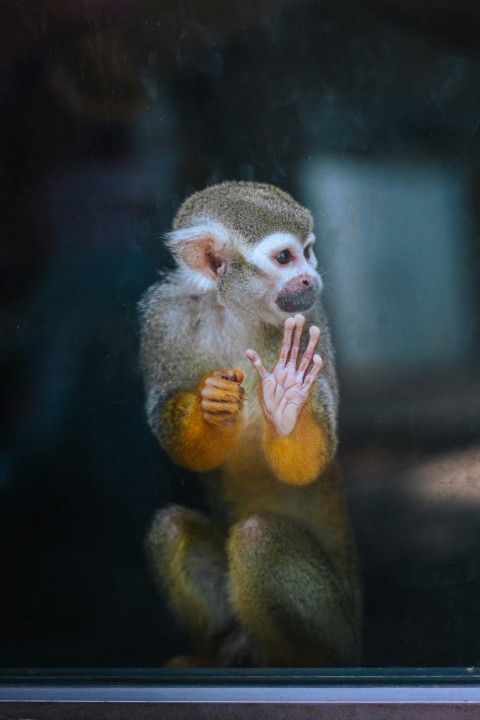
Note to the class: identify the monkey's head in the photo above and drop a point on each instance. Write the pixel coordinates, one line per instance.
(250, 243)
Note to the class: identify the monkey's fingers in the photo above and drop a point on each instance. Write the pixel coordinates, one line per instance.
(221, 395)
(224, 387)
(233, 375)
(286, 341)
(214, 407)
(313, 374)
(239, 375)
(295, 349)
(308, 354)
(254, 358)
(226, 418)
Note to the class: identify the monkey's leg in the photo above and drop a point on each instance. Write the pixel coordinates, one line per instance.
(187, 555)
(288, 596)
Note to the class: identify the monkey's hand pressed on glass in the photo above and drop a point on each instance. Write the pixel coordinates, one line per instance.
(285, 390)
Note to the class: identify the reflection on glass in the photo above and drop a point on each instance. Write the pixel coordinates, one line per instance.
(396, 255)
(112, 116)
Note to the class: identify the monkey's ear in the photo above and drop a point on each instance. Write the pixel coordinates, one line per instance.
(202, 248)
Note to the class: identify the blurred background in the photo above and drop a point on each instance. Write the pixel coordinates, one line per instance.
(111, 113)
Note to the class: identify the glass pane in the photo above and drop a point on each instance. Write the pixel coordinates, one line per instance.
(112, 114)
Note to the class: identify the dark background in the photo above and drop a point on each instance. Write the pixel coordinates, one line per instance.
(111, 114)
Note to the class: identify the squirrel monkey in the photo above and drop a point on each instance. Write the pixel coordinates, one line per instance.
(239, 391)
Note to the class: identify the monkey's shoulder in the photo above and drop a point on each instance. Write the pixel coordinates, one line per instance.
(171, 306)
(186, 321)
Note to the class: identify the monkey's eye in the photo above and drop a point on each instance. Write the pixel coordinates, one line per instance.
(283, 257)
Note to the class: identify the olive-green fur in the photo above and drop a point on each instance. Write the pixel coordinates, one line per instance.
(252, 209)
(271, 578)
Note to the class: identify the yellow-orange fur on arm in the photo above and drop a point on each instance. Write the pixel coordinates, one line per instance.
(192, 442)
(298, 458)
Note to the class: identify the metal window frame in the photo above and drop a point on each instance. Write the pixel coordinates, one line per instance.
(386, 694)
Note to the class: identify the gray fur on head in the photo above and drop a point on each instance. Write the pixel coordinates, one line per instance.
(257, 208)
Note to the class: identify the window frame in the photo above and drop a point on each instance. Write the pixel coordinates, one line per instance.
(384, 693)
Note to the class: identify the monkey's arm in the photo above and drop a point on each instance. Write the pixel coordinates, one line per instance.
(199, 429)
(298, 441)
(299, 458)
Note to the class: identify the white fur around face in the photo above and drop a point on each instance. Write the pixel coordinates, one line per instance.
(313, 258)
(263, 255)
(200, 227)
(196, 281)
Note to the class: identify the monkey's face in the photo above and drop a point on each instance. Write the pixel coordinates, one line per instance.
(288, 267)
(264, 280)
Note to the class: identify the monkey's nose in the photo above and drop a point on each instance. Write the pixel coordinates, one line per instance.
(305, 280)
(298, 294)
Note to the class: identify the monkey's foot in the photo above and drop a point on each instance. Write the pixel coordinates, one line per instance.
(238, 650)
(186, 661)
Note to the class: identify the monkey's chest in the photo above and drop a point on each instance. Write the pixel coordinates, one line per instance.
(245, 482)
(252, 416)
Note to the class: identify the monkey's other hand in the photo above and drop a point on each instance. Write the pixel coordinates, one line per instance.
(285, 390)
(222, 397)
